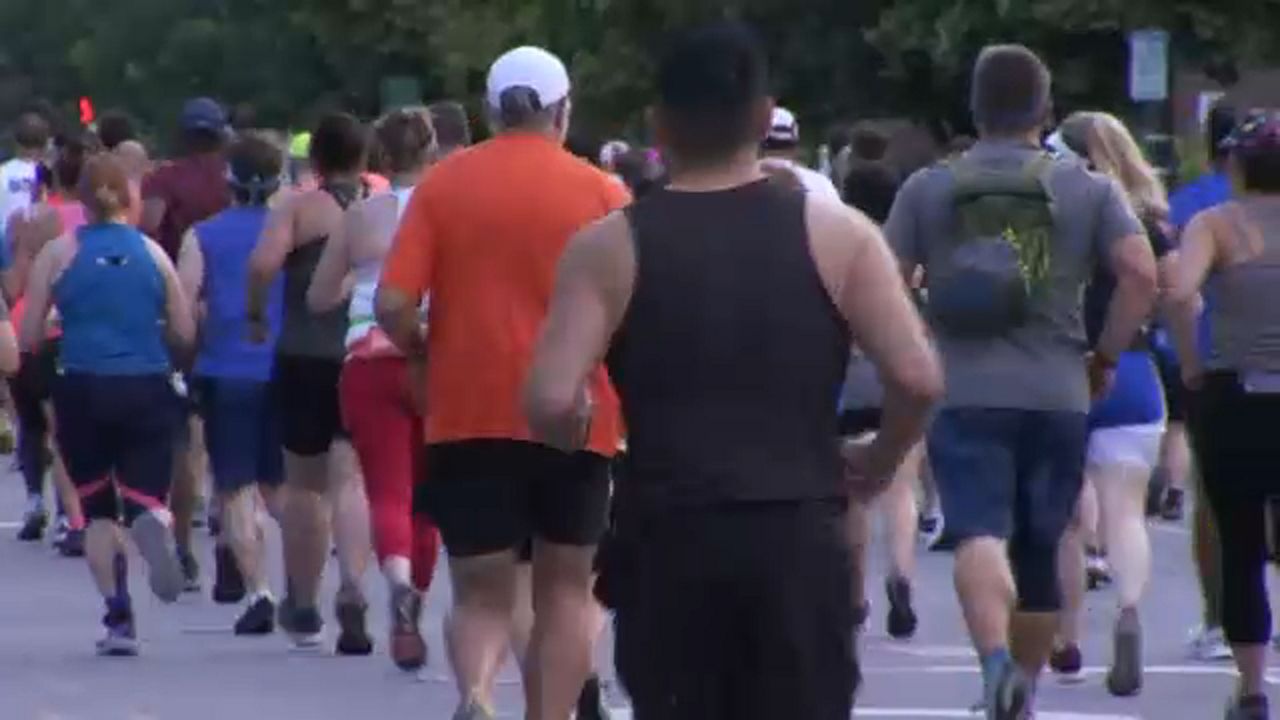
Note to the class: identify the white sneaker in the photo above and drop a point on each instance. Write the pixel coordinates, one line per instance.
(1209, 645)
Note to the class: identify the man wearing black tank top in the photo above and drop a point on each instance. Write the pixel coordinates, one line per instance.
(725, 306)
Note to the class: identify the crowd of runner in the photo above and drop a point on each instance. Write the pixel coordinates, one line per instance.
(621, 387)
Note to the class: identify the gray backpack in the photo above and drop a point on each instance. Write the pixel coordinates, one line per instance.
(986, 279)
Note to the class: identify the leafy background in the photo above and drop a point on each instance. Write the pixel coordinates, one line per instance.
(833, 59)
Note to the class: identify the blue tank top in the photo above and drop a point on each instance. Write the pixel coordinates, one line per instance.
(1137, 398)
(226, 241)
(112, 302)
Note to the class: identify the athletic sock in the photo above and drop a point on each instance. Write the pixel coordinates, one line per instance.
(993, 663)
(398, 570)
(121, 568)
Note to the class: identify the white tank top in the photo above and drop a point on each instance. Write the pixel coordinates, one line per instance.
(363, 335)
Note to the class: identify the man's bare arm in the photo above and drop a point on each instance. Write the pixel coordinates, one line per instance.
(1196, 258)
(39, 297)
(330, 283)
(866, 284)
(269, 255)
(593, 288)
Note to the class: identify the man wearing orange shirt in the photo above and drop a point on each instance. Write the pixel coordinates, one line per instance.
(482, 237)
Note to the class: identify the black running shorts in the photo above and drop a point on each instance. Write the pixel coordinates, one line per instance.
(489, 496)
(305, 392)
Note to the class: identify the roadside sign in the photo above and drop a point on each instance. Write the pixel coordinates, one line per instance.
(1149, 65)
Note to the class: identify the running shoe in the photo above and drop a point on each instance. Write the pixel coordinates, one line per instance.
(153, 534)
(591, 701)
(1067, 664)
(473, 710)
(228, 583)
(60, 529)
(33, 526)
(1125, 677)
(258, 619)
(304, 625)
(121, 638)
(1209, 645)
(190, 571)
(1097, 569)
(1010, 697)
(930, 526)
(1249, 707)
(902, 616)
(860, 615)
(353, 634)
(408, 648)
(72, 545)
(1172, 507)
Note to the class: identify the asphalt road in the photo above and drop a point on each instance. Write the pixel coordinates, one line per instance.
(193, 668)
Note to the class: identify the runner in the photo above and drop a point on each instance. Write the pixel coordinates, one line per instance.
(871, 187)
(1126, 425)
(731, 560)
(324, 494)
(1212, 189)
(231, 377)
(782, 145)
(56, 212)
(482, 236)
(453, 128)
(1237, 247)
(1004, 287)
(384, 421)
(175, 196)
(119, 300)
(18, 176)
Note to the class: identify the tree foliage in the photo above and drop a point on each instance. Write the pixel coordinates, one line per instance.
(833, 59)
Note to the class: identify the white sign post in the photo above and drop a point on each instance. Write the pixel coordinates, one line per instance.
(1149, 65)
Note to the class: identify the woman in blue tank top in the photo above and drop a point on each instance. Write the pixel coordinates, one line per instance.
(231, 376)
(122, 311)
(1126, 424)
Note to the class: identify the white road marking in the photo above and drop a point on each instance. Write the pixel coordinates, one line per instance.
(10, 525)
(1169, 529)
(871, 712)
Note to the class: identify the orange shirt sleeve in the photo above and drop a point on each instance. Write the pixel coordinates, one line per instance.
(408, 267)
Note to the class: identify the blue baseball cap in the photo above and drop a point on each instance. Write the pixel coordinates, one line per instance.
(203, 113)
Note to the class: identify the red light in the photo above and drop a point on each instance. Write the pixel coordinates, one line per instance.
(86, 111)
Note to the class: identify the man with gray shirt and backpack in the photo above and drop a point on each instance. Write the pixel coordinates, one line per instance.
(1008, 236)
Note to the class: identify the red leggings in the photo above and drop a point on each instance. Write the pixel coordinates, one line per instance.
(387, 435)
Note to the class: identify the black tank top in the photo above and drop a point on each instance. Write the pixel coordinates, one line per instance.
(730, 358)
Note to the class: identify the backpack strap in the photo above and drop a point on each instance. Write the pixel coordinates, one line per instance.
(974, 180)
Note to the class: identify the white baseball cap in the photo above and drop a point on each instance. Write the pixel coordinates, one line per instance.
(783, 128)
(532, 68)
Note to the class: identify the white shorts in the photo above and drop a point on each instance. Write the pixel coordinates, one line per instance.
(1137, 445)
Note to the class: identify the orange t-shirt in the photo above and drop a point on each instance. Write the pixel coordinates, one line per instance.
(482, 236)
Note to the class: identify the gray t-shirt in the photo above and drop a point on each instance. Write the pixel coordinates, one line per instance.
(1040, 365)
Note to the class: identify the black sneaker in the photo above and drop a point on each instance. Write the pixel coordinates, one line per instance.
(591, 701)
(353, 635)
(190, 571)
(228, 583)
(33, 525)
(121, 639)
(258, 619)
(1171, 509)
(902, 617)
(1249, 707)
(304, 625)
(72, 545)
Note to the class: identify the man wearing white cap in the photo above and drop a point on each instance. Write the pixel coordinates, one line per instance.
(483, 235)
(781, 148)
